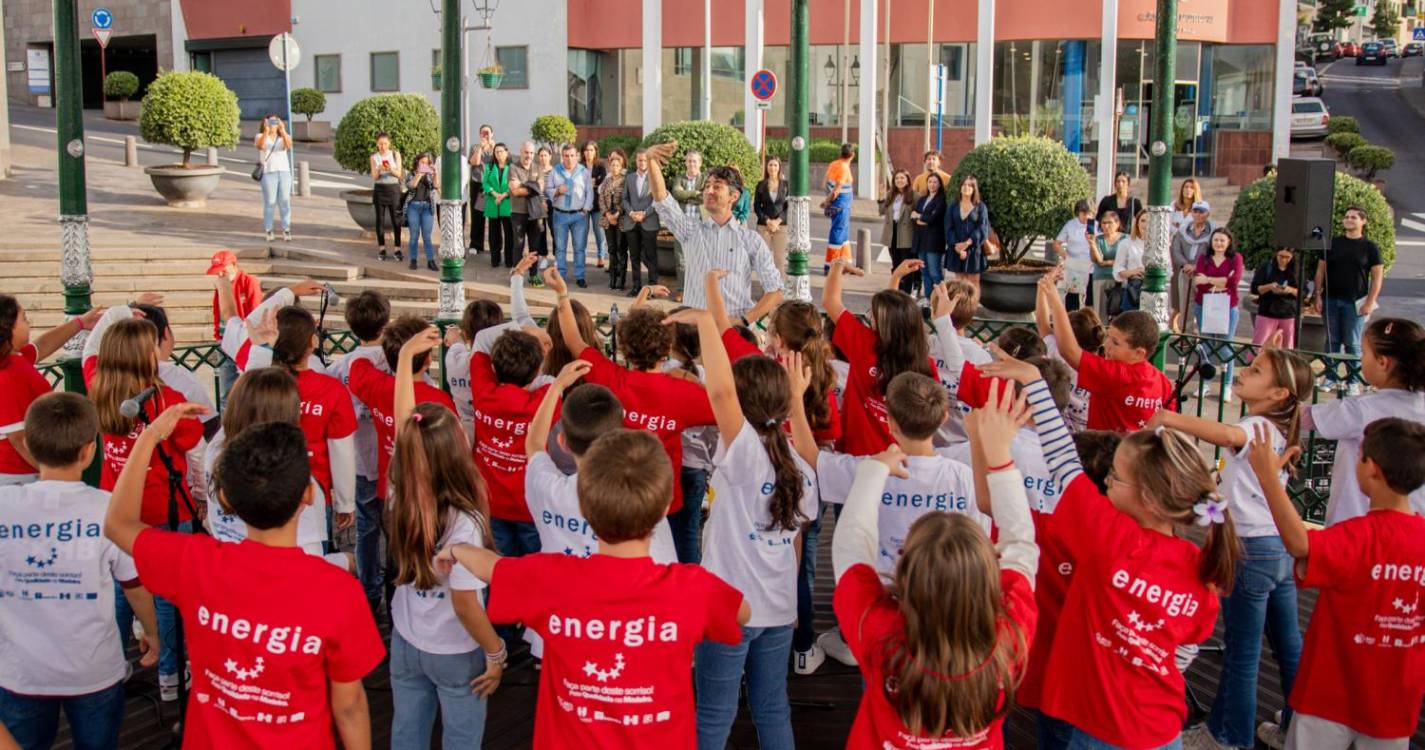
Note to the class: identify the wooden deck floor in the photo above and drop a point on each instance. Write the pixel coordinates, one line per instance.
(824, 704)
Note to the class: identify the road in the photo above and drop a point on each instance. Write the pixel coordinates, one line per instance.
(1376, 97)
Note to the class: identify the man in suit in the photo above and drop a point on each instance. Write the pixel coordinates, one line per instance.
(639, 224)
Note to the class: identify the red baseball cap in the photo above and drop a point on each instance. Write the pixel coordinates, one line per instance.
(221, 260)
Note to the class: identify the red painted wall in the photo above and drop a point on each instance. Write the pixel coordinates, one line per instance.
(211, 19)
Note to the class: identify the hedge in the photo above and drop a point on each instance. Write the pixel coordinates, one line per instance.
(1030, 185)
(1371, 159)
(554, 130)
(410, 119)
(1253, 218)
(1342, 124)
(121, 84)
(622, 141)
(308, 102)
(821, 151)
(1345, 142)
(189, 110)
(720, 145)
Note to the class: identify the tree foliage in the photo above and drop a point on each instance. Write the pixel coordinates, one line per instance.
(189, 110)
(1385, 22)
(554, 130)
(409, 119)
(1253, 219)
(121, 84)
(1030, 185)
(720, 145)
(308, 102)
(1334, 14)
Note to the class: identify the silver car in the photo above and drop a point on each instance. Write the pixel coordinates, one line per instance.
(1308, 117)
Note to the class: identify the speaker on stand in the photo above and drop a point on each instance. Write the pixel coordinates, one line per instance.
(1306, 194)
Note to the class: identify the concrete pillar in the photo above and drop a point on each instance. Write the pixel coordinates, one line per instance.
(131, 152)
(984, 70)
(652, 65)
(866, 97)
(1281, 90)
(1107, 99)
(705, 95)
(756, 34)
(212, 156)
(304, 179)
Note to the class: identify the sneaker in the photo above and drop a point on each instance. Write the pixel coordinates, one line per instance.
(1271, 734)
(430, 266)
(286, 236)
(835, 647)
(269, 236)
(807, 662)
(1199, 738)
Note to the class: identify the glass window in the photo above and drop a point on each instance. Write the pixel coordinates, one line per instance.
(683, 89)
(910, 85)
(203, 62)
(328, 73)
(435, 69)
(1047, 88)
(682, 61)
(1242, 86)
(594, 87)
(385, 71)
(515, 61)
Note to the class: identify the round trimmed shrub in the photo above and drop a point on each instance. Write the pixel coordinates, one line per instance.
(309, 102)
(1030, 185)
(1371, 159)
(1253, 219)
(622, 141)
(720, 145)
(189, 110)
(1342, 124)
(554, 130)
(1345, 142)
(410, 120)
(821, 150)
(121, 84)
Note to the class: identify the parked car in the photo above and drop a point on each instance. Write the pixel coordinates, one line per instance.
(1413, 49)
(1389, 47)
(1305, 83)
(1372, 53)
(1309, 117)
(1350, 49)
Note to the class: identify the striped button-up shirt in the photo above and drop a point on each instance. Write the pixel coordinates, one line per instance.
(708, 245)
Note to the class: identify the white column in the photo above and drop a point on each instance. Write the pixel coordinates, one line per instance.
(984, 69)
(866, 98)
(652, 65)
(1107, 99)
(1281, 89)
(706, 107)
(755, 29)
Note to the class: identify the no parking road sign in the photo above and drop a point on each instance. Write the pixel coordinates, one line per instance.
(764, 86)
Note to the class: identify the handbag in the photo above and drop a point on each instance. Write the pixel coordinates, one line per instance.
(1216, 314)
(262, 163)
(1113, 300)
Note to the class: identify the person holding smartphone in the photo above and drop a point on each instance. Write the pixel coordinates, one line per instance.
(386, 174)
(422, 191)
(1072, 247)
(1278, 298)
(273, 146)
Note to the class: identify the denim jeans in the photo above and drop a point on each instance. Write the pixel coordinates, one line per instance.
(227, 375)
(1343, 331)
(1052, 733)
(164, 612)
(687, 523)
(420, 217)
(514, 538)
(1082, 740)
(1263, 598)
(599, 240)
(805, 634)
(93, 719)
(570, 229)
(368, 540)
(1225, 361)
(718, 668)
(933, 272)
(421, 682)
(277, 193)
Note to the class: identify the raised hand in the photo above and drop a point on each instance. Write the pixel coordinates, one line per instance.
(906, 268)
(995, 425)
(88, 320)
(421, 343)
(150, 298)
(1009, 368)
(264, 331)
(689, 315)
(305, 287)
(527, 262)
(554, 281)
(453, 336)
(894, 458)
(1264, 459)
(798, 373)
(661, 153)
(571, 373)
(168, 420)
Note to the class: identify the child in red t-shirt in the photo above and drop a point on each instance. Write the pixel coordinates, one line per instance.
(652, 399)
(1362, 674)
(919, 694)
(278, 640)
(1126, 388)
(896, 342)
(618, 629)
(1138, 591)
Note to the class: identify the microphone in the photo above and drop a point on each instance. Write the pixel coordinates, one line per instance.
(1205, 369)
(613, 314)
(329, 295)
(131, 407)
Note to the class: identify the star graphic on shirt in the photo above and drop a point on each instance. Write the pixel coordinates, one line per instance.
(1404, 608)
(1141, 625)
(569, 551)
(604, 675)
(43, 562)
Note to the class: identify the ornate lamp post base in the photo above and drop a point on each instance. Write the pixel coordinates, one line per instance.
(452, 262)
(799, 248)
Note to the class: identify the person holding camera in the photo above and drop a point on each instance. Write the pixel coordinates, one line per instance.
(422, 191)
(273, 147)
(386, 174)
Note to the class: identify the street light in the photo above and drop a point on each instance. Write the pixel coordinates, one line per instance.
(485, 9)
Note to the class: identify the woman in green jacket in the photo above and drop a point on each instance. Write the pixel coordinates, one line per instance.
(497, 208)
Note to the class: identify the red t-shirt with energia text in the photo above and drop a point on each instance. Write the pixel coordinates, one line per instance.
(1363, 664)
(652, 401)
(22, 384)
(266, 629)
(618, 644)
(738, 347)
(1124, 395)
(865, 429)
(327, 414)
(1135, 597)
(377, 390)
(870, 620)
(502, 415)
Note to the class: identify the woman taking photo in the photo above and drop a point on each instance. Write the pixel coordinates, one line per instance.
(610, 206)
(770, 205)
(1278, 298)
(386, 174)
(837, 206)
(967, 228)
(898, 229)
(929, 238)
(496, 185)
(422, 191)
(1218, 271)
(1188, 193)
(1125, 205)
(598, 171)
(273, 147)
(1104, 252)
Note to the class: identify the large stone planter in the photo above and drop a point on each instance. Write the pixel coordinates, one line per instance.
(316, 131)
(1011, 292)
(121, 110)
(363, 211)
(185, 187)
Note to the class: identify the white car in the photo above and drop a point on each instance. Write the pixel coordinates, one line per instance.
(1309, 117)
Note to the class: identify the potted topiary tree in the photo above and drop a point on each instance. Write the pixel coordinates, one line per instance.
(1253, 223)
(189, 110)
(720, 145)
(121, 84)
(310, 102)
(1030, 185)
(411, 122)
(553, 130)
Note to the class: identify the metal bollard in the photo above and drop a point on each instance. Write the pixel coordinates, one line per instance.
(304, 179)
(212, 156)
(131, 151)
(863, 249)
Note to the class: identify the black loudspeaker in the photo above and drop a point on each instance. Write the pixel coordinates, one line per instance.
(1306, 190)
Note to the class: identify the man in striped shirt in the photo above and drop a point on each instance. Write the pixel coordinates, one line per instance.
(718, 241)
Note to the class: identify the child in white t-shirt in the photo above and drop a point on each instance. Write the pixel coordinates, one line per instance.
(61, 648)
(1089, 332)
